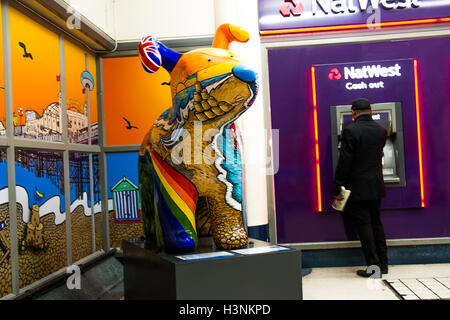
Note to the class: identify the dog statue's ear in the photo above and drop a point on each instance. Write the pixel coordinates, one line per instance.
(227, 33)
(154, 54)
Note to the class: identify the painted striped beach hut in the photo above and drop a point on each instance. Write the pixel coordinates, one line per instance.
(126, 201)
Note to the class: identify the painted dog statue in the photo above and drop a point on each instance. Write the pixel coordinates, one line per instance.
(201, 194)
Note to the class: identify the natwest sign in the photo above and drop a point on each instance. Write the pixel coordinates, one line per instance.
(378, 75)
(372, 71)
(351, 6)
(296, 16)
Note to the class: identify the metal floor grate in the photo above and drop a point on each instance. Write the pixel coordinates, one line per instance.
(421, 288)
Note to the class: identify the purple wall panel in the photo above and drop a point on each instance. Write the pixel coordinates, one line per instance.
(395, 89)
(291, 106)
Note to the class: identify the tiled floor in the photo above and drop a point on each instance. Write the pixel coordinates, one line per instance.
(422, 289)
(344, 284)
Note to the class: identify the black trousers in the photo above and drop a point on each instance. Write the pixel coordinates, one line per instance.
(365, 216)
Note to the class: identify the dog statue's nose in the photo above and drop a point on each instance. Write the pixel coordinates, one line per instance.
(244, 73)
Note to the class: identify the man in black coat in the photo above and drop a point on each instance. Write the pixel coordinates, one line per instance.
(359, 169)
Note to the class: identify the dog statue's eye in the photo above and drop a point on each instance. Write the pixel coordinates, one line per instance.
(209, 60)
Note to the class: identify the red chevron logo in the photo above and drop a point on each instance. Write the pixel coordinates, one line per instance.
(334, 74)
(295, 11)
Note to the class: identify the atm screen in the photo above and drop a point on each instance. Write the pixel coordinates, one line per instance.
(382, 117)
(346, 120)
(389, 116)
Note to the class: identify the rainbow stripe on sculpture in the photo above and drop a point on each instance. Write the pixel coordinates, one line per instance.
(175, 199)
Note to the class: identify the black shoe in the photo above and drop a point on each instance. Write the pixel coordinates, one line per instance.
(384, 269)
(365, 274)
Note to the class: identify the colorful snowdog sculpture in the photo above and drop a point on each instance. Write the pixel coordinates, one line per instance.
(201, 194)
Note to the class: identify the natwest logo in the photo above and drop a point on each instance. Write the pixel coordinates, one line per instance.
(296, 10)
(372, 71)
(334, 74)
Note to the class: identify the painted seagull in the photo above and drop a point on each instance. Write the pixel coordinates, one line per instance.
(26, 54)
(129, 126)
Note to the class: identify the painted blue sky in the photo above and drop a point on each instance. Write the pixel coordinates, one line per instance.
(43, 185)
(121, 165)
(3, 175)
(31, 183)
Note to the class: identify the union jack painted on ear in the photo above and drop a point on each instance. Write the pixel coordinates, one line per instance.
(149, 54)
(154, 54)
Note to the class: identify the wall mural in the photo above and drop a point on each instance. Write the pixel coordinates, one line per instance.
(5, 266)
(41, 213)
(123, 197)
(200, 194)
(125, 125)
(41, 230)
(37, 102)
(85, 229)
(35, 79)
(81, 95)
(5, 246)
(2, 87)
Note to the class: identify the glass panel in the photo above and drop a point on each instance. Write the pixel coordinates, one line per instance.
(80, 205)
(41, 215)
(92, 68)
(123, 197)
(133, 94)
(81, 165)
(98, 202)
(35, 79)
(5, 248)
(81, 88)
(2, 86)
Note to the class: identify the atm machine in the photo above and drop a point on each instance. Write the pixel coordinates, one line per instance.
(388, 115)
